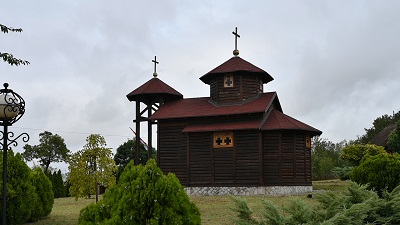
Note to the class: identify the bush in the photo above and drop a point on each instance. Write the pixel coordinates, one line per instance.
(143, 195)
(343, 172)
(355, 153)
(20, 191)
(357, 206)
(44, 195)
(381, 172)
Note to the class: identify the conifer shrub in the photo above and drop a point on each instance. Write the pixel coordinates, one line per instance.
(143, 195)
(380, 172)
(43, 194)
(356, 206)
(20, 191)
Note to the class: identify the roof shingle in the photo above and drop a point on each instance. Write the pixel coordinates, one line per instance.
(153, 88)
(202, 107)
(279, 121)
(236, 64)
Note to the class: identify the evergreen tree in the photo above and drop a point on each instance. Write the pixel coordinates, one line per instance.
(20, 191)
(143, 196)
(58, 184)
(380, 172)
(394, 139)
(126, 152)
(43, 193)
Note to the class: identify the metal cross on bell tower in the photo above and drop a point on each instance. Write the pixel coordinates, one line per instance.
(155, 66)
(236, 51)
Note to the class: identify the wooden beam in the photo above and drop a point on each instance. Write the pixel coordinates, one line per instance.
(149, 133)
(137, 133)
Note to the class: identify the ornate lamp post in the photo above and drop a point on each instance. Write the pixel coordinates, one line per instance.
(12, 107)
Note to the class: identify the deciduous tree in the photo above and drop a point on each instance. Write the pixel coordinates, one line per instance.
(354, 153)
(51, 149)
(7, 57)
(91, 166)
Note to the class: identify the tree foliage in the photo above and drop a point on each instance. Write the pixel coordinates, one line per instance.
(59, 188)
(380, 172)
(355, 153)
(143, 196)
(325, 157)
(44, 195)
(126, 152)
(20, 191)
(356, 206)
(90, 167)
(394, 139)
(7, 57)
(378, 125)
(51, 149)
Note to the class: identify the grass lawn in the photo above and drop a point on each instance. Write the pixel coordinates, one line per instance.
(214, 209)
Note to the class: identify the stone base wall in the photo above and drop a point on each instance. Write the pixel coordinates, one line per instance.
(267, 190)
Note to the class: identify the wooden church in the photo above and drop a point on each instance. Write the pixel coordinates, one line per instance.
(236, 141)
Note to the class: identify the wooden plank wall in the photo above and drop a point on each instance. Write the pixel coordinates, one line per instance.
(244, 87)
(172, 150)
(271, 158)
(250, 86)
(247, 158)
(286, 159)
(200, 159)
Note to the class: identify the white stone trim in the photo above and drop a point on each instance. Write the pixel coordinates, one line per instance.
(266, 190)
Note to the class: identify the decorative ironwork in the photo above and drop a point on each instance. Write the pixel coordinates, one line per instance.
(9, 136)
(12, 106)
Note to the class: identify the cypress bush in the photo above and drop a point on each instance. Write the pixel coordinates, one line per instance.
(143, 195)
(44, 195)
(20, 191)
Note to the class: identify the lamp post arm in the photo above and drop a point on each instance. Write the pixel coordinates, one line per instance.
(25, 138)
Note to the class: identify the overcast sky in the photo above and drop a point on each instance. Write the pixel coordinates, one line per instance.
(336, 64)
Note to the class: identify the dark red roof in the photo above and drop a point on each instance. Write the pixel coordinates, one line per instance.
(235, 125)
(279, 121)
(201, 107)
(153, 89)
(276, 121)
(236, 64)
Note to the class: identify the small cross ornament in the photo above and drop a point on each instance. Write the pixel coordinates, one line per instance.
(155, 66)
(236, 51)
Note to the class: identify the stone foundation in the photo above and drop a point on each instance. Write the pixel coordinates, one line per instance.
(267, 190)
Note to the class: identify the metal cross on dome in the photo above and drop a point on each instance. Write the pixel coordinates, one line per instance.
(236, 51)
(155, 66)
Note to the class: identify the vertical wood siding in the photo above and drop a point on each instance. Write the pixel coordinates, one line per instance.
(247, 157)
(172, 150)
(286, 159)
(200, 159)
(244, 86)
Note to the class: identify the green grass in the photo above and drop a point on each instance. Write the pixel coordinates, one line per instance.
(214, 209)
(333, 185)
(65, 211)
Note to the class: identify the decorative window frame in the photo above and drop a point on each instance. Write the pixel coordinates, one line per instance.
(228, 80)
(223, 139)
